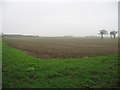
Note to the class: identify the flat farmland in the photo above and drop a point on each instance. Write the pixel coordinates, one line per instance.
(20, 70)
(60, 48)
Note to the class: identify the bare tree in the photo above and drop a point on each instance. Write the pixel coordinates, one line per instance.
(113, 33)
(103, 32)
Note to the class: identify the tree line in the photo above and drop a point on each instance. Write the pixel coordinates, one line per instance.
(104, 32)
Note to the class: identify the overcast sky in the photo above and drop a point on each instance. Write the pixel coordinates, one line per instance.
(59, 18)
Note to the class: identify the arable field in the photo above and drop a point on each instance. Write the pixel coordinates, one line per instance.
(60, 48)
(21, 70)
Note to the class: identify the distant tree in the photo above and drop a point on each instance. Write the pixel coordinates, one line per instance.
(103, 32)
(113, 33)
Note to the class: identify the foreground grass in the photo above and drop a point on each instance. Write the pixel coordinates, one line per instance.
(23, 71)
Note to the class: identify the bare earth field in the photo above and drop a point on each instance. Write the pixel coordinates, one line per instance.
(52, 48)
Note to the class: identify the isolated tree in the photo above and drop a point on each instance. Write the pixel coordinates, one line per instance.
(103, 32)
(113, 33)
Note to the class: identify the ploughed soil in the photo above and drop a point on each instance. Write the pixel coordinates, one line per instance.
(57, 48)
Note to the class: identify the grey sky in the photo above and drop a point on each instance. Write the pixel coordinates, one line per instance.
(51, 18)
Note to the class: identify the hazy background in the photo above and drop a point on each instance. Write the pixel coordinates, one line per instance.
(59, 18)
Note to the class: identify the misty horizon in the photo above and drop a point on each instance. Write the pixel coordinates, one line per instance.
(59, 18)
